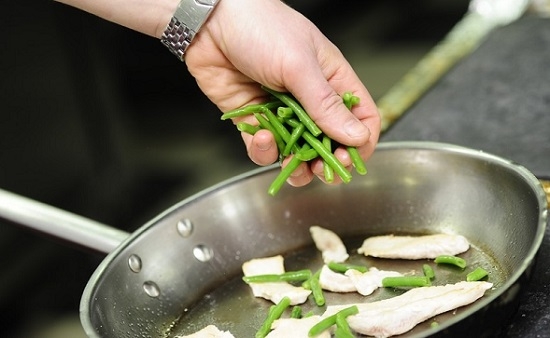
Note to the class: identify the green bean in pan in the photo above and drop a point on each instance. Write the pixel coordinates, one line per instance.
(298, 110)
(290, 276)
(405, 281)
(296, 312)
(343, 267)
(274, 314)
(428, 271)
(331, 320)
(338, 167)
(250, 109)
(451, 260)
(477, 274)
(316, 289)
(342, 328)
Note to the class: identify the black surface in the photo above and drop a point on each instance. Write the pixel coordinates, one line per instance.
(498, 100)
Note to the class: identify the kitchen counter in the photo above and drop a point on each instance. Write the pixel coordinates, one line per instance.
(498, 100)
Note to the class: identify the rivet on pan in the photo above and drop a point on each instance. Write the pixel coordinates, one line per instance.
(185, 227)
(134, 262)
(151, 289)
(203, 253)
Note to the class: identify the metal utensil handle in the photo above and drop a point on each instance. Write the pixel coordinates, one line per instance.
(59, 223)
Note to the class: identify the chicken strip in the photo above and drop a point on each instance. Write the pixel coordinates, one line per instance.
(400, 314)
(366, 283)
(335, 282)
(414, 247)
(210, 331)
(273, 291)
(331, 246)
(295, 328)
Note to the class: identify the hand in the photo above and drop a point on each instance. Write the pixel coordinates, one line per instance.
(246, 43)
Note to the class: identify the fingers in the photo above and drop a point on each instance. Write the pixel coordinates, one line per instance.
(319, 90)
(261, 147)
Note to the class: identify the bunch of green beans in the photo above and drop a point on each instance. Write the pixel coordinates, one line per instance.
(297, 134)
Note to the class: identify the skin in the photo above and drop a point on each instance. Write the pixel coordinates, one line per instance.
(248, 43)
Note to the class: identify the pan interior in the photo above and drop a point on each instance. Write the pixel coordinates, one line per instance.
(190, 256)
(232, 307)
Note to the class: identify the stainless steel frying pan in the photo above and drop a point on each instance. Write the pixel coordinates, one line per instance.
(181, 271)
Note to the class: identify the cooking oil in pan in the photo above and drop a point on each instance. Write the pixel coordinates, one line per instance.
(233, 308)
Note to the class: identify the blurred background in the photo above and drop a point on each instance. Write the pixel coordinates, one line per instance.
(104, 122)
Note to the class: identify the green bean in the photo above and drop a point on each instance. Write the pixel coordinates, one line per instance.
(290, 276)
(264, 123)
(331, 320)
(343, 267)
(346, 97)
(293, 123)
(298, 110)
(307, 155)
(357, 161)
(277, 125)
(428, 271)
(327, 169)
(478, 274)
(296, 312)
(316, 289)
(285, 112)
(294, 137)
(342, 328)
(405, 281)
(451, 260)
(273, 315)
(248, 110)
(285, 173)
(328, 156)
(308, 314)
(247, 128)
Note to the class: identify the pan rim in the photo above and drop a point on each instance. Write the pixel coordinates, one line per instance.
(519, 169)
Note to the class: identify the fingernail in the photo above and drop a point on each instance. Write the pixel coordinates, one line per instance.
(263, 146)
(354, 128)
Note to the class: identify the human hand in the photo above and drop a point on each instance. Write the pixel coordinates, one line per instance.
(246, 43)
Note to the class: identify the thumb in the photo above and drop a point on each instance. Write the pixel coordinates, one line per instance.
(325, 106)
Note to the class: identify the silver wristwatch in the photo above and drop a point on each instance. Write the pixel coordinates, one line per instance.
(186, 22)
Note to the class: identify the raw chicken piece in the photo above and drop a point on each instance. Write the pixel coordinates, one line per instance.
(331, 246)
(334, 281)
(273, 291)
(210, 331)
(400, 314)
(414, 247)
(366, 283)
(295, 328)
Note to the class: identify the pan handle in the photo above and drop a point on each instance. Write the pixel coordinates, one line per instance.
(59, 223)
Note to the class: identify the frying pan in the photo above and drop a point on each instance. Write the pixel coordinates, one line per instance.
(181, 271)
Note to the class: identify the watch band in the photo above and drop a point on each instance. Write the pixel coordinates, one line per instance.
(188, 18)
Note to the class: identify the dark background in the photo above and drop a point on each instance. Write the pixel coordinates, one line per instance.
(104, 122)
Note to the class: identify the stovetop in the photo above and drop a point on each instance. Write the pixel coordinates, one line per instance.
(498, 100)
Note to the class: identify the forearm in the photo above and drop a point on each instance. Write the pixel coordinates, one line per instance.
(146, 16)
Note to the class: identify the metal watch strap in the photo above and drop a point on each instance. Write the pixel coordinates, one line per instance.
(177, 38)
(188, 18)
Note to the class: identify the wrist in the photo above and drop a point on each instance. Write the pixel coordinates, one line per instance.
(186, 21)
